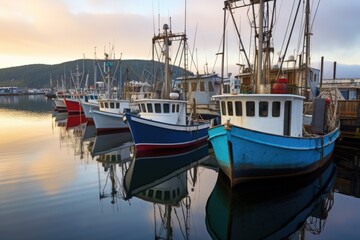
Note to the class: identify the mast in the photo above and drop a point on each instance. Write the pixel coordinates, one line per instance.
(167, 86)
(260, 47)
(165, 39)
(307, 47)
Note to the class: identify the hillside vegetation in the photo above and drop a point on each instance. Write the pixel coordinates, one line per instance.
(38, 75)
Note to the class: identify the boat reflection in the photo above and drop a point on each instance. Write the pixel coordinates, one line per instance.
(271, 210)
(163, 180)
(106, 143)
(75, 121)
(89, 134)
(71, 131)
(60, 118)
(113, 167)
(112, 152)
(347, 158)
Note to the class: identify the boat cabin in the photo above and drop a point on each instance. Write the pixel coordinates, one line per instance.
(113, 105)
(92, 98)
(280, 114)
(198, 91)
(163, 110)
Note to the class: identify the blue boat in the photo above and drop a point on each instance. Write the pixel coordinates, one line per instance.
(264, 132)
(151, 135)
(163, 122)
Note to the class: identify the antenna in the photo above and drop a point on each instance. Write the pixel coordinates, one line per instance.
(152, 5)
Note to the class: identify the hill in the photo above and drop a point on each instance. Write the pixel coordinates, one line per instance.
(38, 75)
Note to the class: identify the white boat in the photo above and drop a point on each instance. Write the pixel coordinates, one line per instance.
(87, 107)
(109, 117)
(58, 101)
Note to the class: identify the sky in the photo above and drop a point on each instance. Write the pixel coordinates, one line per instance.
(56, 31)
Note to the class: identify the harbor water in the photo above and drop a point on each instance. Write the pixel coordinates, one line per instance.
(61, 180)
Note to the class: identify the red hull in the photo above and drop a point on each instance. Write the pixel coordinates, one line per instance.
(73, 106)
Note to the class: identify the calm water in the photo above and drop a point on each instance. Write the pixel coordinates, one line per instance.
(58, 180)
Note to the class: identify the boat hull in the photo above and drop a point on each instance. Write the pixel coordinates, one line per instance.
(244, 154)
(73, 106)
(86, 107)
(153, 135)
(59, 104)
(108, 122)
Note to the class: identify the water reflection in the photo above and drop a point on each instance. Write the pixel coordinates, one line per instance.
(76, 122)
(60, 118)
(271, 210)
(163, 180)
(71, 131)
(89, 133)
(29, 103)
(112, 153)
(111, 172)
(347, 158)
(111, 142)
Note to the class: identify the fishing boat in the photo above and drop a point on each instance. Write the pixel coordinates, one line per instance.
(58, 102)
(163, 123)
(263, 134)
(108, 116)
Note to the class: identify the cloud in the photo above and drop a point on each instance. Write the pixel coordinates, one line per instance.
(43, 31)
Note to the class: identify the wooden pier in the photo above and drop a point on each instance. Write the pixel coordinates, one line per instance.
(349, 113)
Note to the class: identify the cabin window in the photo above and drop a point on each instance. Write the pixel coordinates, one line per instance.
(106, 104)
(287, 118)
(223, 108)
(211, 87)
(250, 109)
(238, 108)
(112, 105)
(230, 108)
(177, 107)
(151, 193)
(276, 109)
(143, 108)
(226, 89)
(202, 87)
(173, 194)
(178, 191)
(193, 86)
(158, 194)
(173, 108)
(149, 107)
(157, 107)
(117, 105)
(166, 108)
(263, 109)
(167, 195)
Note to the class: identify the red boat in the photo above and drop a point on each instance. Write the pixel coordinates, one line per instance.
(73, 105)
